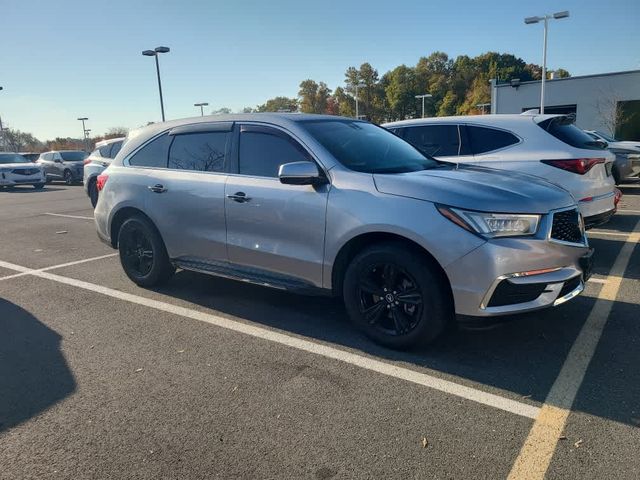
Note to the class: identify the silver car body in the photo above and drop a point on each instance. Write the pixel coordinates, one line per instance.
(55, 164)
(627, 153)
(13, 174)
(100, 159)
(299, 236)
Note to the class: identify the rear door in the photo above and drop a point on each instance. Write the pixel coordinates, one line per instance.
(486, 145)
(184, 196)
(271, 226)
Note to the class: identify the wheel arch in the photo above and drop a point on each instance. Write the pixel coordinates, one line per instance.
(120, 217)
(356, 244)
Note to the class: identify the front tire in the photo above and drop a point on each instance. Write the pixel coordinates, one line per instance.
(93, 193)
(39, 186)
(142, 253)
(396, 297)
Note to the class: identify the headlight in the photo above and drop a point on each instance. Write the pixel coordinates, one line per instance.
(492, 225)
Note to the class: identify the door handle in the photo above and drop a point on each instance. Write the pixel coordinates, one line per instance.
(158, 188)
(239, 197)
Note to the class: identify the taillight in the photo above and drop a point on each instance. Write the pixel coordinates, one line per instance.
(86, 161)
(576, 165)
(617, 197)
(101, 181)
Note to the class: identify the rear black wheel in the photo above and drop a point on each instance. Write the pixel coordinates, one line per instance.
(396, 297)
(39, 186)
(142, 253)
(615, 173)
(93, 192)
(68, 177)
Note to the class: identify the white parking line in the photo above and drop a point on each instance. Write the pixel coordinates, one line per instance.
(391, 370)
(598, 280)
(535, 456)
(53, 267)
(68, 216)
(602, 232)
(623, 210)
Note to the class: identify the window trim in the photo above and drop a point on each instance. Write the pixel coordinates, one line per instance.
(267, 128)
(490, 127)
(227, 150)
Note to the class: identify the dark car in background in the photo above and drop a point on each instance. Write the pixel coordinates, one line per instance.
(64, 165)
(31, 156)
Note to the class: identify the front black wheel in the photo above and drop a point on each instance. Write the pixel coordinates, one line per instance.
(142, 253)
(39, 186)
(93, 193)
(396, 296)
(68, 177)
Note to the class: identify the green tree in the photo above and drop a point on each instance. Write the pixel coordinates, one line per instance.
(401, 89)
(313, 97)
(561, 73)
(278, 104)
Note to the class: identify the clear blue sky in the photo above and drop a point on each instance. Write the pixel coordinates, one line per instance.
(68, 58)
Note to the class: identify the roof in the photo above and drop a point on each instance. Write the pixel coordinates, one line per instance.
(608, 74)
(492, 119)
(102, 143)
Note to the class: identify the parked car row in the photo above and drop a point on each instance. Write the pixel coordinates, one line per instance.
(627, 154)
(338, 206)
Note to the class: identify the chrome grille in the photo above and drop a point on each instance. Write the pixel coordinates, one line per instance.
(25, 171)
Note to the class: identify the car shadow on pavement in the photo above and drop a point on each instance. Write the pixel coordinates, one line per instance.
(34, 374)
(29, 189)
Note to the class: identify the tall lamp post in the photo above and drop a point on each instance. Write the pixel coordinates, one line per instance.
(423, 96)
(84, 132)
(357, 110)
(545, 19)
(203, 104)
(1, 131)
(154, 53)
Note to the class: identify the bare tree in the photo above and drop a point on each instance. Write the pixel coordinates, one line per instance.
(17, 141)
(610, 110)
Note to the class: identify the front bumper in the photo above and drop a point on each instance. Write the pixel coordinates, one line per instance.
(491, 279)
(8, 179)
(594, 206)
(599, 219)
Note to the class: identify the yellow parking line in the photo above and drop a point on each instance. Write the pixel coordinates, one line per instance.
(535, 456)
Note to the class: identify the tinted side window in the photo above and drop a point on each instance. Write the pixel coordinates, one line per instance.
(104, 151)
(564, 130)
(484, 139)
(153, 154)
(261, 153)
(203, 152)
(116, 146)
(435, 140)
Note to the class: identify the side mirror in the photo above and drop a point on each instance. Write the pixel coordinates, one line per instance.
(57, 160)
(300, 173)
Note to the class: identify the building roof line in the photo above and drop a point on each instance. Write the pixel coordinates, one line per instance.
(508, 84)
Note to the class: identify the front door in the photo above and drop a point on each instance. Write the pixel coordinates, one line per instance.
(271, 226)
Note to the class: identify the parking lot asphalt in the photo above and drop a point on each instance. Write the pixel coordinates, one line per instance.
(210, 378)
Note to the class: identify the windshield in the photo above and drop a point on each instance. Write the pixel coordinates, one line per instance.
(73, 156)
(364, 147)
(608, 138)
(12, 158)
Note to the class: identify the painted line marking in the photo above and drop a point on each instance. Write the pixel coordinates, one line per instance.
(68, 216)
(53, 267)
(395, 371)
(613, 234)
(535, 456)
(627, 211)
(597, 280)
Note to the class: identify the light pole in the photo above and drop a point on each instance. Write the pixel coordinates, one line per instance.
(155, 53)
(84, 132)
(545, 18)
(1, 131)
(423, 96)
(358, 85)
(203, 104)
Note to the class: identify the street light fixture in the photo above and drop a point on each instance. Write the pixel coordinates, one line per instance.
(356, 86)
(84, 132)
(423, 96)
(155, 53)
(203, 104)
(545, 19)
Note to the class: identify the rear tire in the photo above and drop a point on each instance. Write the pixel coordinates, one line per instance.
(616, 175)
(39, 186)
(396, 296)
(142, 253)
(93, 192)
(68, 177)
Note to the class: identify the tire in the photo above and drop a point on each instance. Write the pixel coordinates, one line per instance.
(48, 180)
(39, 186)
(68, 177)
(93, 192)
(142, 253)
(616, 175)
(390, 317)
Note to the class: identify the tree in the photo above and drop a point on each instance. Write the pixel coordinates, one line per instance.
(561, 73)
(609, 110)
(248, 110)
(221, 111)
(344, 102)
(401, 90)
(16, 141)
(278, 104)
(313, 97)
(116, 132)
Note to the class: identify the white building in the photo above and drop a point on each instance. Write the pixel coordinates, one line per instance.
(609, 102)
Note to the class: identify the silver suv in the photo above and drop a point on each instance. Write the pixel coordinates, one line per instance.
(338, 206)
(94, 165)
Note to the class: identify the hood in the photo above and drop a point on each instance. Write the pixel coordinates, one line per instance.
(477, 188)
(20, 166)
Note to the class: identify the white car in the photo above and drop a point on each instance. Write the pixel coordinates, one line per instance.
(17, 170)
(94, 165)
(548, 146)
(627, 154)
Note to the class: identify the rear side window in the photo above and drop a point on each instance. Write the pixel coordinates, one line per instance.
(564, 130)
(73, 156)
(483, 139)
(262, 153)
(104, 151)
(153, 154)
(435, 140)
(116, 146)
(201, 152)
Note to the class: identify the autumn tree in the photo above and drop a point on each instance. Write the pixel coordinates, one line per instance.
(278, 104)
(313, 97)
